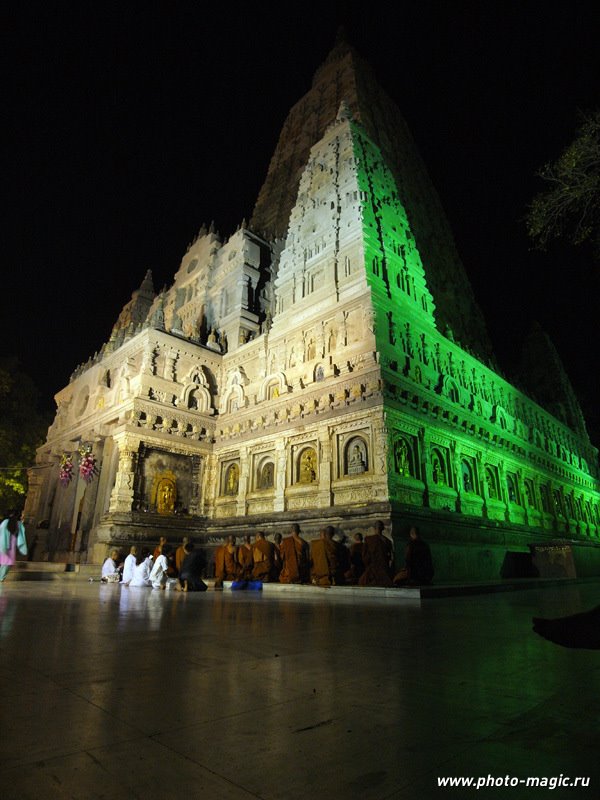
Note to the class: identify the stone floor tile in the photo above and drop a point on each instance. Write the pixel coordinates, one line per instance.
(135, 769)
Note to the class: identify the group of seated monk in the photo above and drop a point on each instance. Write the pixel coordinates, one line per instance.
(325, 561)
(258, 560)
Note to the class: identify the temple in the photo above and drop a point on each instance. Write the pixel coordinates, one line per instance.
(326, 363)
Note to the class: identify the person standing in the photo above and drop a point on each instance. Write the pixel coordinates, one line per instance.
(12, 538)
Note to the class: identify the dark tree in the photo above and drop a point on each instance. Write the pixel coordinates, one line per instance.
(22, 430)
(570, 206)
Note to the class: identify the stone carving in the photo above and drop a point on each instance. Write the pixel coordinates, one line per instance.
(356, 456)
(307, 472)
(401, 460)
(166, 496)
(267, 476)
(232, 479)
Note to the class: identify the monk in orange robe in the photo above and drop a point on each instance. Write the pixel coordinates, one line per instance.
(378, 557)
(329, 559)
(264, 556)
(320, 572)
(158, 549)
(342, 556)
(296, 558)
(180, 554)
(226, 563)
(244, 557)
(277, 539)
(357, 566)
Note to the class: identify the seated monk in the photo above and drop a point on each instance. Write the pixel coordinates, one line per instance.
(327, 559)
(190, 575)
(277, 539)
(342, 556)
(244, 557)
(264, 559)
(320, 572)
(226, 564)
(180, 554)
(418, 565)
(158, 549)
(377, 556)
(357, 565)
(296, 558)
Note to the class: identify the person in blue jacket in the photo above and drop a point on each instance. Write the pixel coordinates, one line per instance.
(12, 538)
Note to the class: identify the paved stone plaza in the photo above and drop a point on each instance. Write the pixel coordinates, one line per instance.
(109, 692)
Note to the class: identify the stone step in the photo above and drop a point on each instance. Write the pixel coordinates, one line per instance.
(49, 571)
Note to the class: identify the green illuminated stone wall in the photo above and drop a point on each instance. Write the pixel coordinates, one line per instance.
(461, 438)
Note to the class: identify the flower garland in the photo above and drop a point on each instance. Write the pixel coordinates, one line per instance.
(87, 464)
(65, 474)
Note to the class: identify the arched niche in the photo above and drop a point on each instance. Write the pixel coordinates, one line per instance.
(265, 474)
(163, 495)
(272, 387)
(231, 479)
(405, 460)
(439, 467)
(234, 399)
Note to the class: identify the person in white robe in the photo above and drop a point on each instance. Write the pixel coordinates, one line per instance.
(159, 577)
(110, 568)
(129, 566)
(142, 569)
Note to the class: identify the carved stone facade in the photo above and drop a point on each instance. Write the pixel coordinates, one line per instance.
(313, 378)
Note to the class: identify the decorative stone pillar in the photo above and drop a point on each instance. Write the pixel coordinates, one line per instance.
(208, 492)
(479, 476)
(196, 482)
(243, 482)
(504, 490)
(380, 448)
(324, 499)
(425, 462)
(455, 467)
(170, 362)
(280, 462)
(485, 491)
(121, 499)
(138, 480)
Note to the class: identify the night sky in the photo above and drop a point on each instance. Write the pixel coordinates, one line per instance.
(129, 128)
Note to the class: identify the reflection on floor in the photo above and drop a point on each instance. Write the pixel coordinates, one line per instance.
(125, 693)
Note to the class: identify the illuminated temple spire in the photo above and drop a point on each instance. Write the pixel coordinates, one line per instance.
(134, 313)
(345, 77)
(543, 374)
